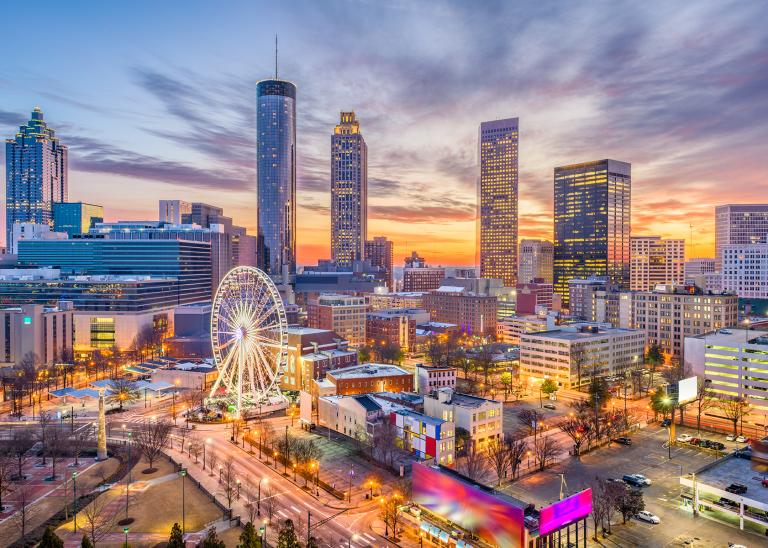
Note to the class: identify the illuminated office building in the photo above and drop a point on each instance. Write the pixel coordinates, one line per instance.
(76, 218)
(276, 175)
(655, 261)
(497, 200)
(349, 192)
(592, 223)
(739, 224)
(379, 252)
(535, 261)
(35, 174)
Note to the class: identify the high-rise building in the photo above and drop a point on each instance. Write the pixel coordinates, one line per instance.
(535, 261)
(580, 295)
(703, 273)
(379, 252)
(349, 192)
(276, 175)
(497, 200)
(592, 222)
(173, 211)
(76, 218)
(35, 174)
(739, 224)
(654, 261)
(474, 313)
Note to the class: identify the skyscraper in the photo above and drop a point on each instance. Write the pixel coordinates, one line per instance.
(349, 192)
(276, 175)
(535, 261)
(592, 222)
(36, 174)
(497, 200)
(379, 252)
(739, 224)
(76, 218)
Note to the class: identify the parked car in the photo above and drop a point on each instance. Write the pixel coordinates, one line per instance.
(666, 422)
(684, 438)
(550, 406)
(727, 502)
(645, 515)
(622, 440)
(638, 480)
(718, 446)
(730, 437)
(736, 488)
(764, 483)
(704, 443)
(742, 439)
(694, 441)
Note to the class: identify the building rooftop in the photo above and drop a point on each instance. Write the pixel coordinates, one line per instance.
(305, 330)
(465, 400)
(421, 416)
(734, 337)
(368, 403)
(367, 370)
(325, 354)
(733, 469)
(571, 334)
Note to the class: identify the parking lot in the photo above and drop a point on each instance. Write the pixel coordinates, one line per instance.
(648, 455)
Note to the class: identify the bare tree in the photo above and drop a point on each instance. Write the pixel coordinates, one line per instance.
(705, 399)
(390, 514)
(474, 464)
(545, 450)
(517, 449)
(269, 501)
(195, 447)
(600, 504)
(80, 439)
(532, 420)
(7, 467)
(498, 456)
(45, 419)
(734, 408)
(151, 438)
(24, 511)
(98, 520)
(228, 480)
(22, 441)
(55, 444)
(384, 442)
(613, 492)
(213, 460)
(251, 501)
(577, 428)
(182, 434)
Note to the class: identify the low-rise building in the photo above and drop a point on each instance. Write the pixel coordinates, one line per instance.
(187, 375)
(343, 314)
(418, 276)
(571, 356)
(396, 327)
(474, 313)
(533, 297)
(480, 417)
(369, 377)
(311, 354)
(509, 329)
(424, 436)
(733, 362)
(386, 301)
(429, 378)
(36, 332)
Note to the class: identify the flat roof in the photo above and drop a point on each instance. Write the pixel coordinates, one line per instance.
(367, 370)
(733, 469)
(569, 335)
(306, 330)
(421, 416)
(733, 336)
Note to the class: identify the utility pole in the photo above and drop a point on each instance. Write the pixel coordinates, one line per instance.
(309, 526)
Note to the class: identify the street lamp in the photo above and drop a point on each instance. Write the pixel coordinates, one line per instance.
(274, 455)
(207, 441)
(264, 531)
(125, 530)
(353, 537)
(74, 498)
(128, 485)
(183, 474)
(220, 467)
(258, 499)
(238, 489)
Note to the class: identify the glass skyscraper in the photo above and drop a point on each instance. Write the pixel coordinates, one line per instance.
(497, 200)
(36, 174)
(76, 218)
(592, 222)
(349, 192)
(276, 175)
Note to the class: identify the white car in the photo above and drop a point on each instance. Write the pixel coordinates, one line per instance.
(730, 437)
(642, 479)
(741, 439)
(645, 515)
(684, 438)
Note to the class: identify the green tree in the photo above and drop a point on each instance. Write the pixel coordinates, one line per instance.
(123, 391)
(661, 403)
(506, 382)
(549, 386)
(462, 439)
(212, 540)
(249, 538)
(86, 542)
(599, 393)
(654, 357)
(287, 538)
(364, 354)
(177, 538)
(50, 539)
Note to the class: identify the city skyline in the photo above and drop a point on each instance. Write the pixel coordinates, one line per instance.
(160, 122)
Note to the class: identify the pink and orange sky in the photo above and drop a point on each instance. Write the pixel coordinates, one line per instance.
(156, 100)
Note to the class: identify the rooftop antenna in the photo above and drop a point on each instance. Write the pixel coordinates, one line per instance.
(275, 56)
(690, 225)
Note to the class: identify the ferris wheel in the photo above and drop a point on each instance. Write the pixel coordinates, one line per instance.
(249, 340)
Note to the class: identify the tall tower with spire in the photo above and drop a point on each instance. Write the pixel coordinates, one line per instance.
(276, 174)
(36, 174)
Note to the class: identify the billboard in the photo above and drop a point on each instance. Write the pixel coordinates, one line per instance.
(565, 511)
(687, 390)
(490, 517)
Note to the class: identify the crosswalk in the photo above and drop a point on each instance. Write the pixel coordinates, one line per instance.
(363, 540)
